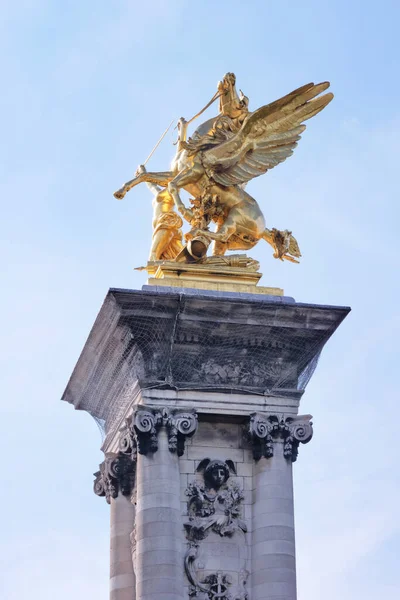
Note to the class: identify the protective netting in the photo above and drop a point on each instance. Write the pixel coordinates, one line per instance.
(189, 341)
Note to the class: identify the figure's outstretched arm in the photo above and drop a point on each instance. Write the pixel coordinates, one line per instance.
(161, 178)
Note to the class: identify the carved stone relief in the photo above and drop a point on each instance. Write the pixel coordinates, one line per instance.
(214, 510)
(244, 372)
(214, 504)
(264, 430)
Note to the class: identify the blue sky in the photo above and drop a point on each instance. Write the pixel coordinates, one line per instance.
(87, 90)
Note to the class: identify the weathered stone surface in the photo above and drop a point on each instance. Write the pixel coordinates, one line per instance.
(120, 568)
(156, 363)
(124, 594)
(216, 435)
(158, 541)
(270, 575)
(198, 453)
(146, 339)
(121, 582)
(273, 561)
(122, 577)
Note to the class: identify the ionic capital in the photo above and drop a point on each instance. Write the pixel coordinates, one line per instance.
(180, 425)
(141, 431)
(266, 429)
(145, 425)
(116, 475)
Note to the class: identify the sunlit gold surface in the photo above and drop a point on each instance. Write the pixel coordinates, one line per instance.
(214, 165)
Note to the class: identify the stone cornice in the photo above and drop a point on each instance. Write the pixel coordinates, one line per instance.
(193, 341)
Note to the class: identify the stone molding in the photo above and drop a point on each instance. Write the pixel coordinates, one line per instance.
(266, 429)
(116, 475)
(141, 432)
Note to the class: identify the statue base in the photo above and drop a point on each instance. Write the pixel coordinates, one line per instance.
(234, 273)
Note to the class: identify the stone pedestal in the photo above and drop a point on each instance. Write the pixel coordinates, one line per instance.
(198, 393)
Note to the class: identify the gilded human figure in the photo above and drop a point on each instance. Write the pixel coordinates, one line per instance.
(167, 234)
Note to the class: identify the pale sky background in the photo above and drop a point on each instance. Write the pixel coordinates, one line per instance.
(87, 89)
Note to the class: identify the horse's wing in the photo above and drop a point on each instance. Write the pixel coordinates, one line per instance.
(267, 137)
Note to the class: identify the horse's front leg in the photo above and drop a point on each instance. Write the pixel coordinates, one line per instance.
(161, 178)
(186, 177)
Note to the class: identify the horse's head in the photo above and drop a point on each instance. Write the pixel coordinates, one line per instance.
(182, 127)
(230, 104)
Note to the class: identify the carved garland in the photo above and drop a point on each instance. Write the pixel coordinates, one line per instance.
(264, 430)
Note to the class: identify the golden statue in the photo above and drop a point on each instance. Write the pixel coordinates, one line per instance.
(215, 164)
(167, 234)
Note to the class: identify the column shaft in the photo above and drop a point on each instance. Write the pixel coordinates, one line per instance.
(273, 541)
(122, 578)
(158, 557)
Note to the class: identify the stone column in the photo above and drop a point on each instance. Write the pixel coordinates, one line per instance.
(115, 481)
(122, 577)
(159, 531)
(275, 445)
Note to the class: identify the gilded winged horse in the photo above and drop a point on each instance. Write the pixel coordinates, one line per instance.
(224, 154)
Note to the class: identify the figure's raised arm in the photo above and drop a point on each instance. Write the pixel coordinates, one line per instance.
(161, 178)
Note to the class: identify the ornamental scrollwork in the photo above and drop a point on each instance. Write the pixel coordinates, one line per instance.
(146, 423)
(140, 434)
(116, 475)
(265, 429)
(127, 440)
(294, 431)
(180, 425)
